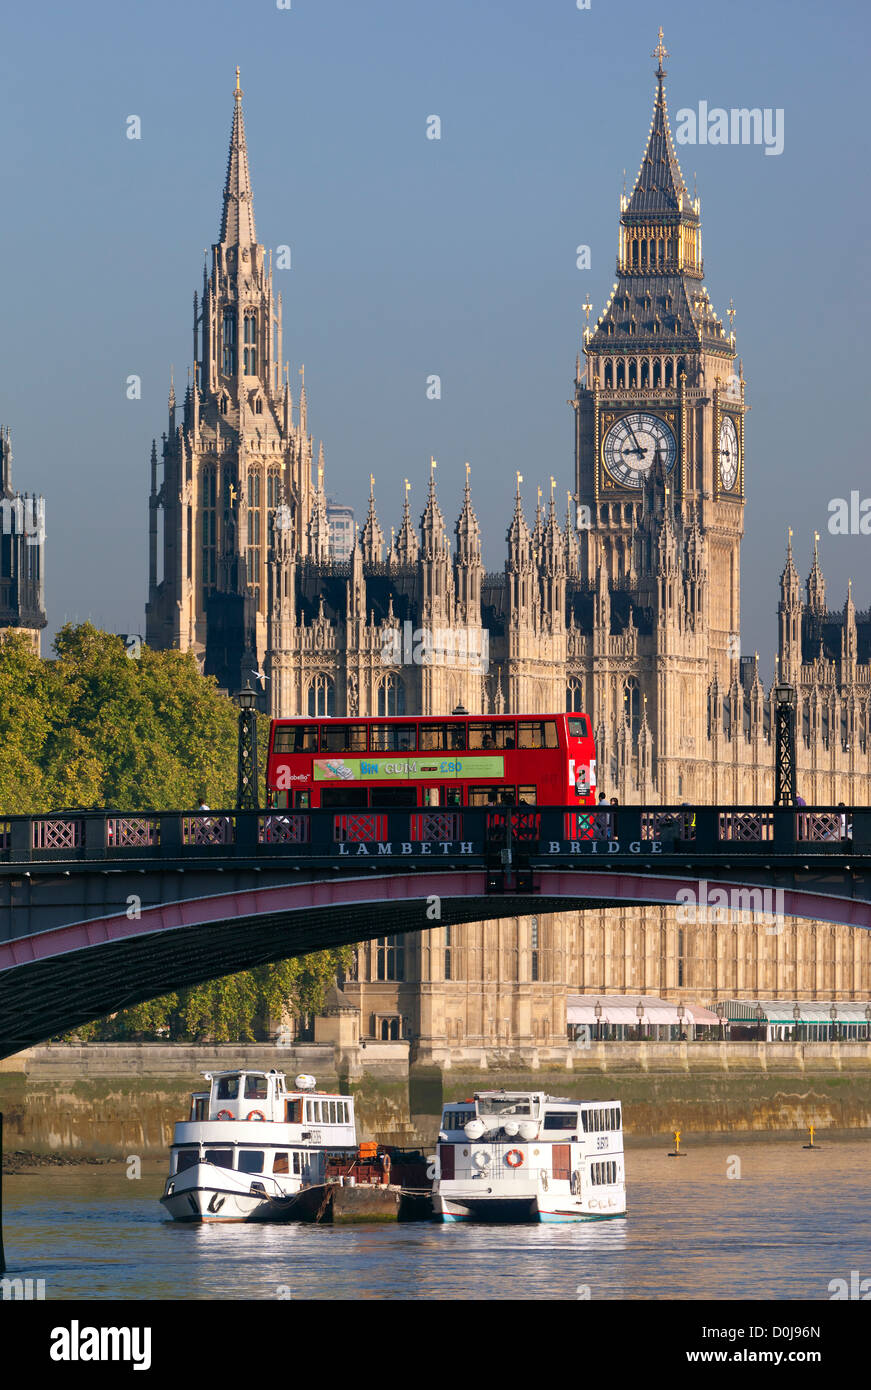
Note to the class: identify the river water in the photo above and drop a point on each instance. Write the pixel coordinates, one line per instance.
(784, 1225)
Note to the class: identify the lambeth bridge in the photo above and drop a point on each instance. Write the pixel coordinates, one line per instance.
(102, 910)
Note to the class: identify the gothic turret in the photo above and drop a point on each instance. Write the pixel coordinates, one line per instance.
(468, 567)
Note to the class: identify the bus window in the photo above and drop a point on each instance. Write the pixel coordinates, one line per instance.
(452, 796)
(492, 735)
(527, 795)
(491, 796)
(386, 798)
(441, 738)
(301, 800)
(299, 738)
(536, 733)
(334, 797)
(343, 738)
(579, 728)
(392, 738)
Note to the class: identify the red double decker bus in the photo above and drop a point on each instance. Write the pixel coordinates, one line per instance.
(452, 760)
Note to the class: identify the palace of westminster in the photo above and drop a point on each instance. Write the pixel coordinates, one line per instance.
(629, 608)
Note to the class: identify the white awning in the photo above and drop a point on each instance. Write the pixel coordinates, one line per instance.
(623, 1009)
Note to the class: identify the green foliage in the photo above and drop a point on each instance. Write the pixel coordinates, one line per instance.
(96, 727)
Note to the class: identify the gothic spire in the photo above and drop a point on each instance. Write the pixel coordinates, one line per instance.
(237, 218)
(816, 584)
(660, 186)
(406, 542)
(372, 535)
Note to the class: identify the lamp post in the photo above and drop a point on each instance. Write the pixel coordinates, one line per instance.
(784, 744)
(721, 1015)
(867, 1022)
(247, 771)
(796, 1014)
(639, 1014)
(598, 1012)
(680, 1018)
(833, 1015)
(759, 1017)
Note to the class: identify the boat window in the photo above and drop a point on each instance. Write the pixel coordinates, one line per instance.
(221, 1158)
(504, 1105)
(256, 1088)
(293, 1112)
(457, 1119)
(603, 1172)
(228, 1088)
(536, 733)
(297, 1163)
(186, 1158)
(250, 1160)
(279, 1164)
(561, 1119)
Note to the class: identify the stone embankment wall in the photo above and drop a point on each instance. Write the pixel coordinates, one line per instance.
(112, 1100)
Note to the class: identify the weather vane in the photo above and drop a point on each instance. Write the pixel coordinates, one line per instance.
(660, 51)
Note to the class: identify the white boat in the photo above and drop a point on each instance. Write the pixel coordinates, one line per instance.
(252, 1150)
(527, 1156)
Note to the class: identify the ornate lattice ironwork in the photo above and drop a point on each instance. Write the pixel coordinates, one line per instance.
(285, 830)
(57, 834)
(818, 826)
(746, 826)
(674, 825)
(361, 828)
(784, 752)
(436, 825)
(207, 830)
(132, 832)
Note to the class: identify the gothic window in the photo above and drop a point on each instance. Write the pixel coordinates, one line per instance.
(661, 251)
(633, 373)
(258, 406)
(253, 548)
(645, 372)
(657, 368)
(634, 251)
(681, 364)
(609, 375)
(390, 957)
(210, 518)
(322, 697)
(250, 328)
(621, 374)
(632, 706)
(391, 1028)
(250, 361)
(670, 251)
(669, 373)
(574, 696)
(229, 337)
(391, 696)
(224, 405)
(643, 251)
(273, 487)
(533, 936)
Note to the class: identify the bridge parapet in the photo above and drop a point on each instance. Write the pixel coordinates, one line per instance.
(525, 832)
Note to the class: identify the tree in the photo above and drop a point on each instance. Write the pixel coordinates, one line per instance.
(96, 727)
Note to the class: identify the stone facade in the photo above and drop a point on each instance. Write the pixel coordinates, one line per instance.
(629, 609)
(22, 555)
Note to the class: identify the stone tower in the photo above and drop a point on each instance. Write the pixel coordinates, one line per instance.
(237, 452)
(22, 540)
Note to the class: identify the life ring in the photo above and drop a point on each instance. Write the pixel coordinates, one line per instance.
(385, 1162)
(255, 1115)
(514, 1158)
(224, 1115)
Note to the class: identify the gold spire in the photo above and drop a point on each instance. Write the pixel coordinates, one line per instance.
(238, 92)
(519, 481)
(660, 52)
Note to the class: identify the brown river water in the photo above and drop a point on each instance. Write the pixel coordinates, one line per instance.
(736, 1218)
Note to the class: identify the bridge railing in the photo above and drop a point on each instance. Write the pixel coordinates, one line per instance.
(528, 831)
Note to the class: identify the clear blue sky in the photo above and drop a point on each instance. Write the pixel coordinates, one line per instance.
(413, 256)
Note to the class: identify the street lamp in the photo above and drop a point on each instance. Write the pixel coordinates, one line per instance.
(598, 1012)
(867, 1021)
(759, 1017)
(639, 1014)
(721, 1015)
(247, 772)
(796, 1014)
(784, 744)
(833, 1015)
(680, 1018)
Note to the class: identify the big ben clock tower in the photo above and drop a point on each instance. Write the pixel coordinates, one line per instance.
(662, 391)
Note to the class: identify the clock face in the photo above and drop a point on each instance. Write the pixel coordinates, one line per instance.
(631, 445)
(728, 453)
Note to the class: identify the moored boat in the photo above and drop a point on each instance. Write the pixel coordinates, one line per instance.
(527, 1156)
(254, 1150)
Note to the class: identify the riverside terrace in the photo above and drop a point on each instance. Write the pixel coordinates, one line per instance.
(100, 910)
